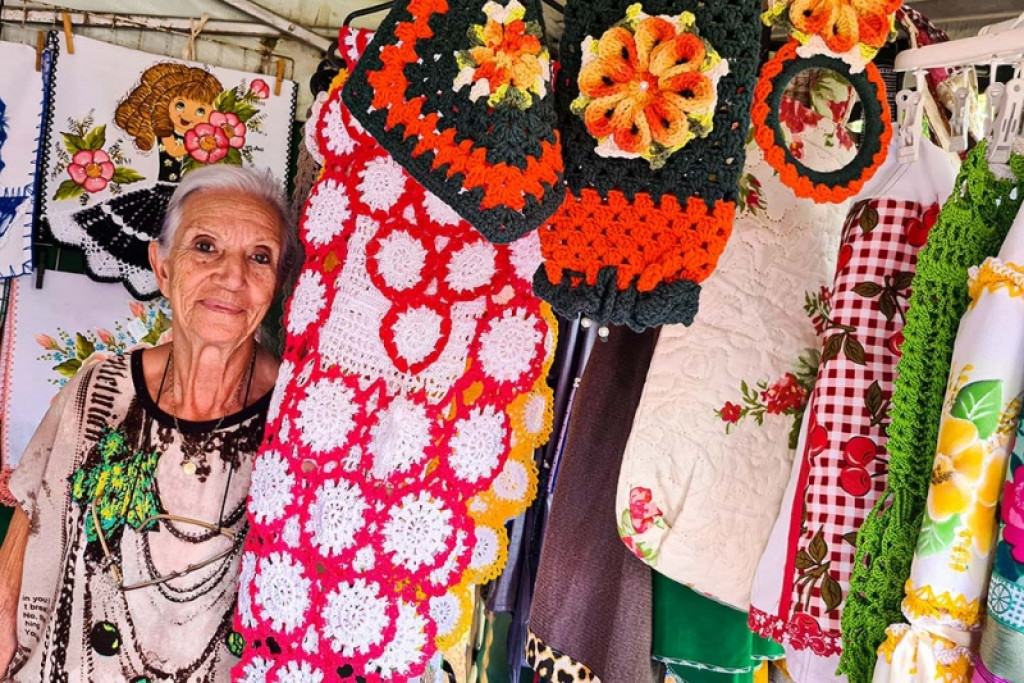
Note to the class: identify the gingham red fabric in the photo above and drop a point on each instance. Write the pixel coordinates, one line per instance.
(843, 464)
(413, 372)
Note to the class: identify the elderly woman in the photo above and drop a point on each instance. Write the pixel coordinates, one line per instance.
(121, 563)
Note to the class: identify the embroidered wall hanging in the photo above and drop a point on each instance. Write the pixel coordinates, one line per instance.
(410, 400)
(724, 397)
(121, 139)
(945, 593)
(653, 102)
(22, 92)
(460, 93)
(973, 223)
(49, 335)
(840, 469)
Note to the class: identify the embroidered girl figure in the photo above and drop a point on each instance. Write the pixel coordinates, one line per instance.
(170, 100)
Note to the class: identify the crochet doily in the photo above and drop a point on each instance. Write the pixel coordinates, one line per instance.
(411, 396)
(459, 92)
(653, 179)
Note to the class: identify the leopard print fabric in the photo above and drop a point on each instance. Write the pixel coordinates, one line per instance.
(554, 667)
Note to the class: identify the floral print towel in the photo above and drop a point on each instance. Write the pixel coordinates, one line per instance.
(949, 577)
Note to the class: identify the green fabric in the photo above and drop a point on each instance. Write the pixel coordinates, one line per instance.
(689, 627)
(971, 227)
(5, 520)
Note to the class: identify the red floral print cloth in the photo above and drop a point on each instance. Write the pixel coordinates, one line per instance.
(410, 398)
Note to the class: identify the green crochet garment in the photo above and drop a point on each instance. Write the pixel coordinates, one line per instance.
(971, 227)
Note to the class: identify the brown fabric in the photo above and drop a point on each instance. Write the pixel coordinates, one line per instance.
(592, 600)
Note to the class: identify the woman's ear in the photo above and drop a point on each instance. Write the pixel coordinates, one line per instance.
(159, 265)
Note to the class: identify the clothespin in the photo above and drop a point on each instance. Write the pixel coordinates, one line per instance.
(993, 99)
(1006, 127)
(909, 109)
(40, 48)
(280, 77)
(68, 36)
(958, 121)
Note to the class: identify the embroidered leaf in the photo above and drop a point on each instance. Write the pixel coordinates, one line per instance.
(160, 325)
(831, 593)
(74, 143)
(854, 351)
(124, 175)
(873, 398)
(887, 305)
(69, 189)
(803, 560)
(868, 219)
(980, 403)
(226, 101)
(936, 536)
(794, 432)
(903, 280)
(851, 538)
(234, 157)
(817, 548)
(833, 346)
(96, 138)
(69, 368)
(868, 289)
(83, 347)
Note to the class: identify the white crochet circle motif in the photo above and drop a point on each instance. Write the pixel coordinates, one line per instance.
(355, 617)
(478, 444)
(512, 482)
(245, 589)
(270, 487)
(335, 516)
(485, 550)
(439, 211)
(284, 378)
(525, 255)
(400, 438)
(534, 413)
(383, 182)
(472, 266)
(307, 302)
(326, 415)
(509, 345)
(417, 332)
(326, 212)
(443, 575)
(299, 672)
(282, 592)
(445, 610)
(406, 649)
(339, 141)
(400, 260)
(255, 671)
(291, 532)
(417, 530)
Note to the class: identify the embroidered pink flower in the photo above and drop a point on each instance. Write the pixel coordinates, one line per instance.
(1013, 514)
(642, 512)
(731, 412)
(105, 336)
(786, 394)
(206, 143)
(260, 89)
(234, 130)
(47, 342)
(138, 310)
(92, 169)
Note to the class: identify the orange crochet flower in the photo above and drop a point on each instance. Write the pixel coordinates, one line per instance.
(508, 62)
(842, 24)
(648, 86)
(812, 16)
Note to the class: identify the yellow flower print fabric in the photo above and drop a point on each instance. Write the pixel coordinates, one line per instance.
(950, 572)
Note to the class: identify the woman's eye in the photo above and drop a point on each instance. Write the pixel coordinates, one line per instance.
(262, 259)
(180, 106)
(204, 246)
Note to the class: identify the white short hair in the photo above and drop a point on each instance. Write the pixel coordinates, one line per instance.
(259, 184)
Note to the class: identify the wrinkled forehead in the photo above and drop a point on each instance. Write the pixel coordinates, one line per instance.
(232, 212)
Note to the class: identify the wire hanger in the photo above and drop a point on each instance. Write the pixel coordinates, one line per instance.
(366, 11)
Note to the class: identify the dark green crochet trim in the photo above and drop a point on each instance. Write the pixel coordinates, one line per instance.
(667, 304)
(874, 126)
(971, 227)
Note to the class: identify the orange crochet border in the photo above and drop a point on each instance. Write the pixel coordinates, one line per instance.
(772, 143)
(502, 184)
(648, 243)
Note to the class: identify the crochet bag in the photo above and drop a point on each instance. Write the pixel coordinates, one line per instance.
(653, 102)
(971, 227)
(459, 93)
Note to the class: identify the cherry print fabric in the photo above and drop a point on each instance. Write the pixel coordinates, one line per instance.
(409, 401)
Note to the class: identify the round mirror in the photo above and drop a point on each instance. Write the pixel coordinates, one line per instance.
(825, 129)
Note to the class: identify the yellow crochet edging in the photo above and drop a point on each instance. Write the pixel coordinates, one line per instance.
(491, 571)
(923, 603)
(464, 593)
(993, 275)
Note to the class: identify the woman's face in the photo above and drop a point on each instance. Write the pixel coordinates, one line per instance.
(186, 112)
(220, 273)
